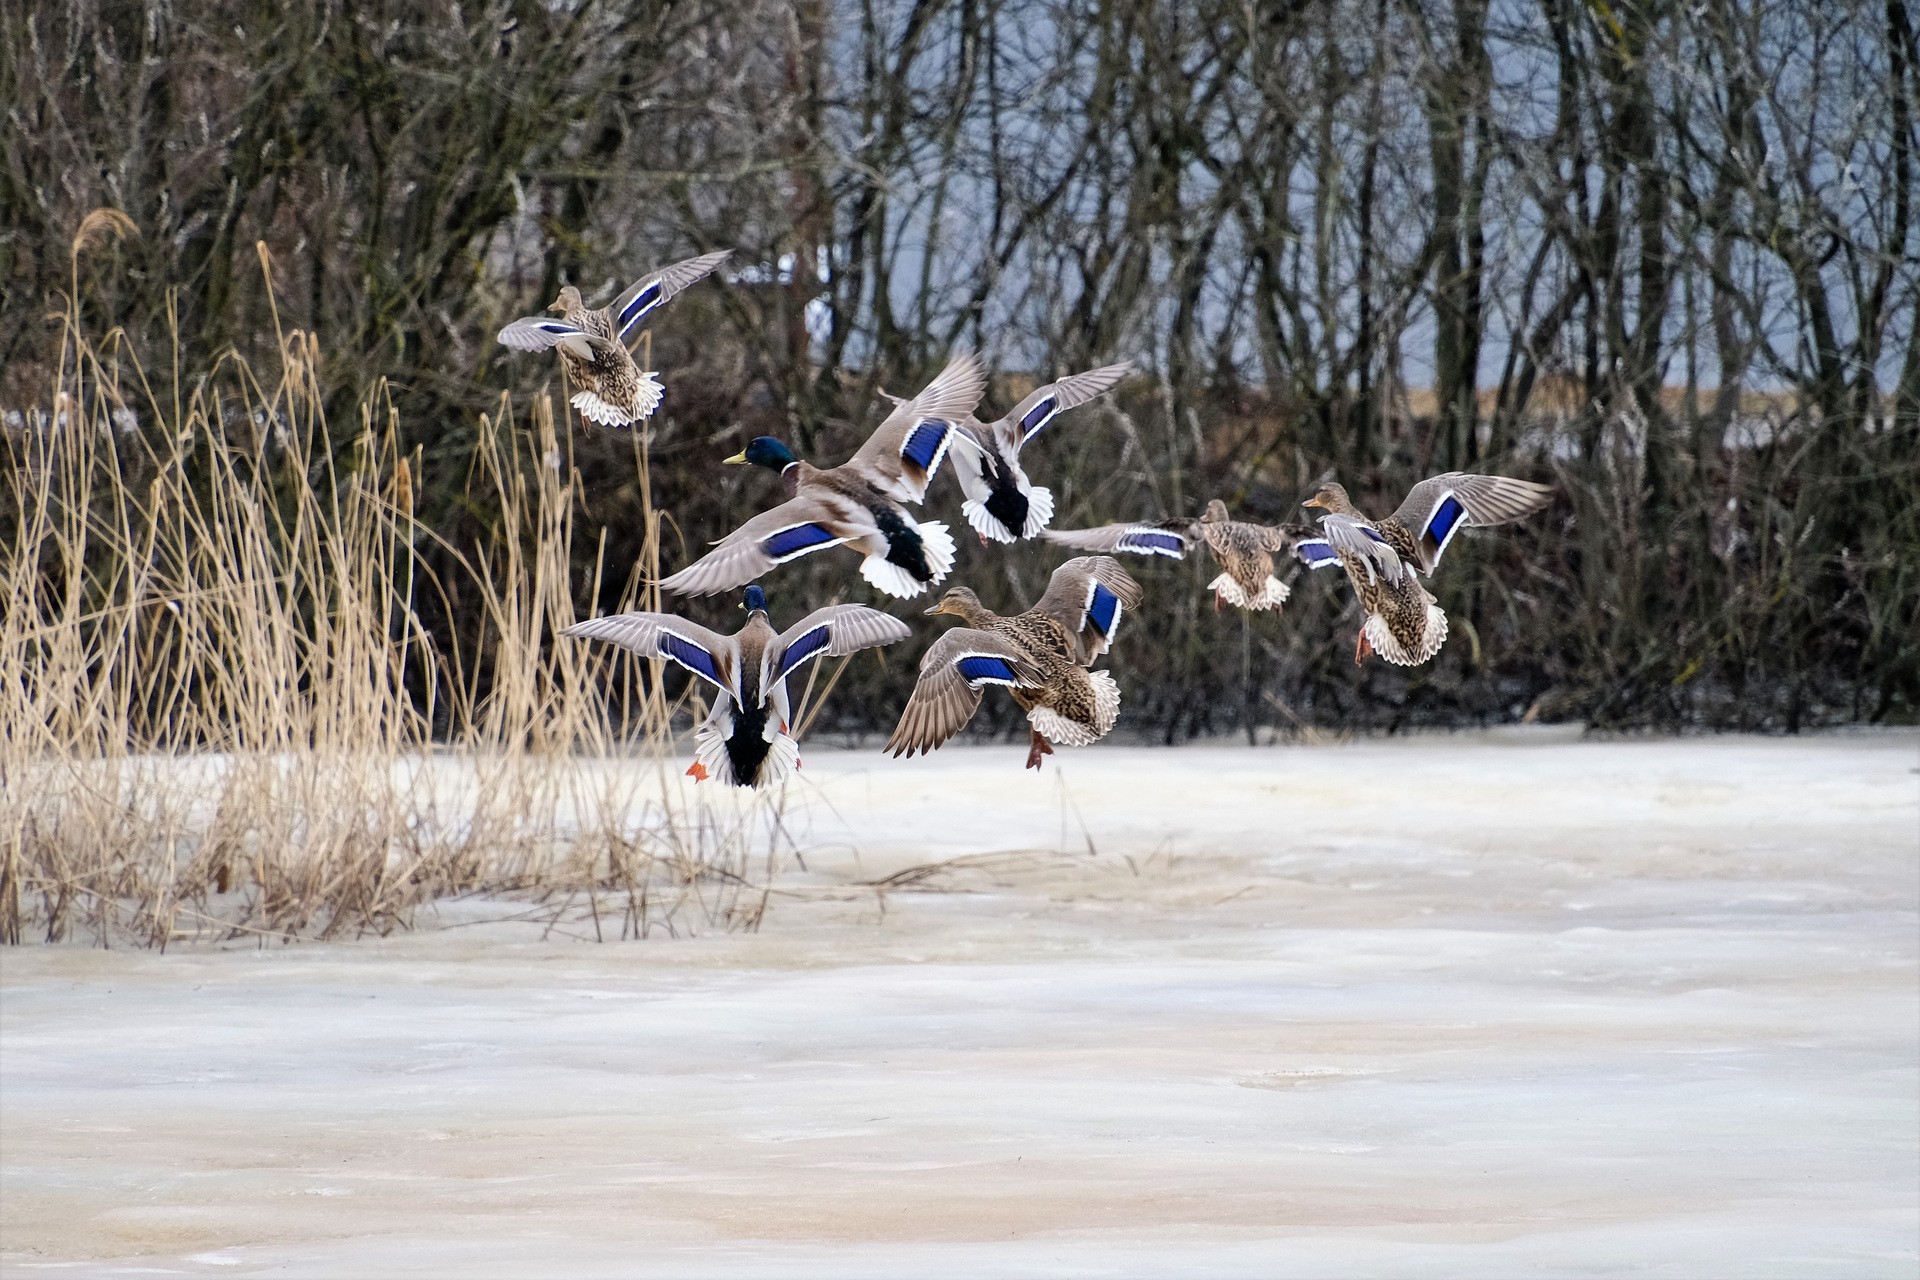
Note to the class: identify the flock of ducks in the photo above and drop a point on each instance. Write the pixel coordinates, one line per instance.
(1042, 657)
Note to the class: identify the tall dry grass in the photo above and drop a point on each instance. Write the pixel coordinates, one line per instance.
(222, 717)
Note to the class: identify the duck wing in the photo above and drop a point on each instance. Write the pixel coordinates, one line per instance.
(1307, 545)
(1437, 508)
(1046, 403)
(1361, 539)
(709, 655)
(835, 631)
(906, 450)
(1088, 595)
(955, 669)
(1139, 537)
(799, 526)
(540, 333)
(649, 292)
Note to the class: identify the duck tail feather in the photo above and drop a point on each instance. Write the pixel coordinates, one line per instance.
(890, 577)
(1431, 638)
(1039, 510)
(939, 549)
(984, 522)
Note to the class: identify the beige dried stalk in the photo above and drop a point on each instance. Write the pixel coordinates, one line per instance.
(222, 715)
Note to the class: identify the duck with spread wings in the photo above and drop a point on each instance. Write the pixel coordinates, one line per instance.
(861, 502)
(746, 738)
(1244, 551)
(1002, 503)
(613, 390)
(1040, 657)
(1404, 624)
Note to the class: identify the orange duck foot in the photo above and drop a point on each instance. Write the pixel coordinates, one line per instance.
(1361, 648)
(981, 536)
(699, 772)
(1040, 747)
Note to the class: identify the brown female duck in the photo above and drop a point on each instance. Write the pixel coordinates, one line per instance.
(1244, 551)
(1040, 657)
(1404, 625)
(613, 390)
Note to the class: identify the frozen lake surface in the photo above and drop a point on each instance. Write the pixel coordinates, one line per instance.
(1469, 1006)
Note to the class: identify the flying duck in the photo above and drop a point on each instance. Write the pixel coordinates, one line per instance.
(862, 501)
(1404, 625)
(1040, 657)
(1243, 551)
(1002, 503)
(746, 738)
(613, 390)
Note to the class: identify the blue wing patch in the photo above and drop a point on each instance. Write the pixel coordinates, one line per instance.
(926, 444)
(805, 647)
(678, 648)
(981, 668)
(1037, 417)
(785, 544)
(1447, 517)
(1153, 542)
(1103, 610)
(1373, 533)
(1316, 553)
(644, 301)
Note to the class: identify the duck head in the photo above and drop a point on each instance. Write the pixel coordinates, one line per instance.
(756, 601)
(1331, 497)
(569, 300)
(960, 602)
(765, 451)
(1216, 513)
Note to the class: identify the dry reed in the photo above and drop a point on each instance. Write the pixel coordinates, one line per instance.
(222, 717)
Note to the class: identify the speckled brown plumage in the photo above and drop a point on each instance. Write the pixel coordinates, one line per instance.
(1243, 550)
(1404, 624)
(610, 388)
(1046, 651)
(1414, 626)
(1244, 553)
(613, 390)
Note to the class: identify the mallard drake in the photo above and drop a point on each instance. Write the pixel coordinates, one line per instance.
(1040, 656)
(745, 739)
(1243, 551)
(613, 390)
(1404, 624)
(861, 501)
(1002, 503)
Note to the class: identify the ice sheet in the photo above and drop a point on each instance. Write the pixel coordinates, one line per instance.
(1486, 1005)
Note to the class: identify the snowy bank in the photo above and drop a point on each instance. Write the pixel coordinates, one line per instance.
(1465, 1005)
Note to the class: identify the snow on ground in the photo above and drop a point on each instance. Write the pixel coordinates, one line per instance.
(1488, 1005)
